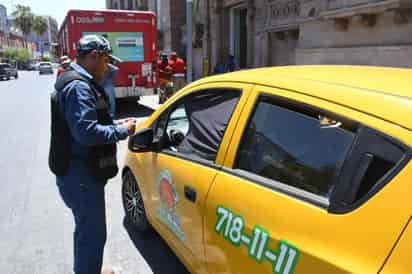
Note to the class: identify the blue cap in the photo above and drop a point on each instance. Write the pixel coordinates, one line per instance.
(96, 42)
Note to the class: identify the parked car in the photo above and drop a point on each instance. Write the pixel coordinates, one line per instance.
(7, 71)
(300, 169)
(45, 68)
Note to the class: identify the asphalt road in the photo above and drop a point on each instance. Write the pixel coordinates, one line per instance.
(35, 226)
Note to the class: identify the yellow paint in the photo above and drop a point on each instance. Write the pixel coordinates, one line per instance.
(356, 242)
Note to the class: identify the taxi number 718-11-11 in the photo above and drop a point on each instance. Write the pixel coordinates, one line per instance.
(231, 226)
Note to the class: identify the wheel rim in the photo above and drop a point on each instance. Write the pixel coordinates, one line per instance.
(133, 201)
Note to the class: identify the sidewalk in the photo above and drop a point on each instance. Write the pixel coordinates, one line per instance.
(151, 101)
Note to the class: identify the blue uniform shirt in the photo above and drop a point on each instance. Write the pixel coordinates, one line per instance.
(79, 108)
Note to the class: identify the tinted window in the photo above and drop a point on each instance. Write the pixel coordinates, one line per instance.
(293, 146)
(196, 124)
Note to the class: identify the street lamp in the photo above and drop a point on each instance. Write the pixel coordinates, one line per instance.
(189, 24)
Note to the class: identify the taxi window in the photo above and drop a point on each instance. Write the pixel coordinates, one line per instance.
(196, 124)
(297, 147)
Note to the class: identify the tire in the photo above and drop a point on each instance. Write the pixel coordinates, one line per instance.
(16, 76)
(133, 204)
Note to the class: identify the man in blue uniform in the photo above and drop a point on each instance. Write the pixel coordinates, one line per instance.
(83, 148)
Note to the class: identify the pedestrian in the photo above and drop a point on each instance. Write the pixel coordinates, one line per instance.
(64, 64)
(219, 68)
(83, 148)
(165, 79)
(179, 70)
(231, 64)
(107, 84)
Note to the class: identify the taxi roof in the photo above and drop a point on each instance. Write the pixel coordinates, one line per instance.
(383, 92)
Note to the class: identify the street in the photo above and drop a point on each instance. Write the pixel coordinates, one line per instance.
(36, 228)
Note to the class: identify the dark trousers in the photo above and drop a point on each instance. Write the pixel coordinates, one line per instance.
(84, 195)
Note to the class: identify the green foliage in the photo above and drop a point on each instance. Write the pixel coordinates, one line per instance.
(40, 25)
(24, 18)
(21, 55)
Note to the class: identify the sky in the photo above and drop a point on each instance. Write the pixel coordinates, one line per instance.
(54, 8)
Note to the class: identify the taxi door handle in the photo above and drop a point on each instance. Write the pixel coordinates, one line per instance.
(190, 193)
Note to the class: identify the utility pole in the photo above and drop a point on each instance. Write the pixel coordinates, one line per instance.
(189, 27)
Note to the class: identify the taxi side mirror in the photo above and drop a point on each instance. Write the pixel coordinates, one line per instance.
(142, 141)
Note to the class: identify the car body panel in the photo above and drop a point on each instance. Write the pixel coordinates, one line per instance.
(365, 89)
(357, 242)
(400, 261)
(309, 237)
(187, 237)
(326, 243)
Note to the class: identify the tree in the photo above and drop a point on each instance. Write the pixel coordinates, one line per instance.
(40, 27)
(20, 55)
(24, 19)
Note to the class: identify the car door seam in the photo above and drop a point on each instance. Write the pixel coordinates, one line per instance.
(395, 244)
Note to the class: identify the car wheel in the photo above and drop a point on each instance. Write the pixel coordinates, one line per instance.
(133, 203)
(16, 77)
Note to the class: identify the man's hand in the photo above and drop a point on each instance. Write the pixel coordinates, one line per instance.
(130, 124)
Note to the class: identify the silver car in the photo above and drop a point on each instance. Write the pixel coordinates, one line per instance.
(45, 68)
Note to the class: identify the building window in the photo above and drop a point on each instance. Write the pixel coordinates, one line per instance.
(130, 4)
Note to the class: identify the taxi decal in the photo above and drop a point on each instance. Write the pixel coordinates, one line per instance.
(168, 202)
(231, 227)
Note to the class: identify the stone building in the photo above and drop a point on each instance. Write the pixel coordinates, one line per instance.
(283, 32)
(171, 17)
(127, 4)
(4, 28)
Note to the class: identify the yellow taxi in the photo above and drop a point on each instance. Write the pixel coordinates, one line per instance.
(300, 169)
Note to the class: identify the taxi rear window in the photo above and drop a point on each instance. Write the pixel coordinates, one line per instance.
(303, 149)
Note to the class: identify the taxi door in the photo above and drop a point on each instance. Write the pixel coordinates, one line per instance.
(268, 209)
(182, 171)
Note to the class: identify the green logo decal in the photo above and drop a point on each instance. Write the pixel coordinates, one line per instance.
(231, 227)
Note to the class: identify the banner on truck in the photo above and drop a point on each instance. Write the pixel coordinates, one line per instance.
(128, 46)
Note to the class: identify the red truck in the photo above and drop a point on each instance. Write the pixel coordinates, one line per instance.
(133, 37)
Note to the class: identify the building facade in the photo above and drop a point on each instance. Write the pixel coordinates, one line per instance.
(44, 45)
(4, 28)
(10, 36)
(50, 37)
(127, 4)
(171, 19)
(286, 32)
